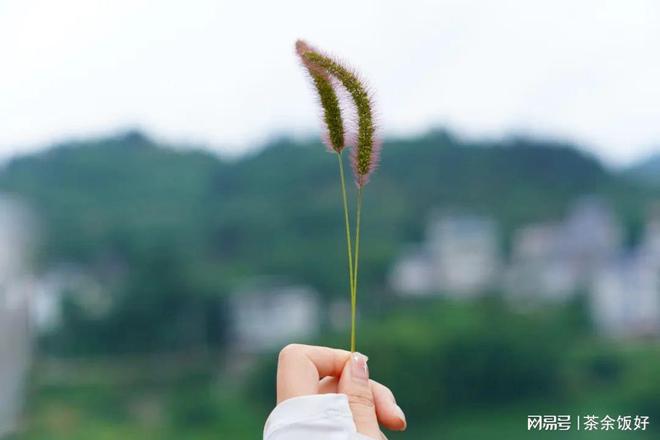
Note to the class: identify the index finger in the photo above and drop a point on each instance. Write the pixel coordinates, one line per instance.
(300, 367)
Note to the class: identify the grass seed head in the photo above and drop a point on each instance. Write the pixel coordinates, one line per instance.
(367, 146)
(332, 117)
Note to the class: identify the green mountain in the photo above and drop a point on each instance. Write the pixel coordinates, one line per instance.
(646, 171)
(169, 231)
(277, 211)
(178, 226)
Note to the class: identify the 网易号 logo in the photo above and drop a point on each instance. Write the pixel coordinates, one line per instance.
(587, 423)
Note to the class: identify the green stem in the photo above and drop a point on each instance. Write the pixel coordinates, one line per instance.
(348, 247)
(355, 270)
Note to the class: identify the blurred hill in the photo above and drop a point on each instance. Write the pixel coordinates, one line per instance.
(157, 219)
(166, 232)
(646, 171)
(278, 210)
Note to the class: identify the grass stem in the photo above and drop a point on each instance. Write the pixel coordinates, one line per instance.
(355, 268)
(349, 249)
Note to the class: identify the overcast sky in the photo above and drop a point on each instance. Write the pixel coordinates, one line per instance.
(223, 73)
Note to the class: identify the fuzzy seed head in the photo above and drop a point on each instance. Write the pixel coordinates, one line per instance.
(332, 117)
(365, 153)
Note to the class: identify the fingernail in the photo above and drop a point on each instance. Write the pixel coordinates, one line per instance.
(401, 416)
(359, 369)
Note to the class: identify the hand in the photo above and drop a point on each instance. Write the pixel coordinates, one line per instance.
(306, 370)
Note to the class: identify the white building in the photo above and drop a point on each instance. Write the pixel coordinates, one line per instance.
(460, 257)
(15, 338)
(267, 315)
(412, 274)
(553, 261)
(465, 254)
(540, 267)
(69, 282)
(591, 234)
(650, 246)
(625, 299)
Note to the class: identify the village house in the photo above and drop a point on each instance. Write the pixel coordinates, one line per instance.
(266, 314)
(15, 341)
(540, 269)
(412, 273)
(625, 298)
(582, 253)
(555, 260)
(460, 258)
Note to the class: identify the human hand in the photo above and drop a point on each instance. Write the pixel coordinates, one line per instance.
(307, 370)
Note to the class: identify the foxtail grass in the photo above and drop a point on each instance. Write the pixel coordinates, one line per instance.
(327, 74)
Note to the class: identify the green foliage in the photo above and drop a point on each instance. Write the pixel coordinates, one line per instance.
(476, 370)
(459, 370)
(121, 200)
(469, 355)
(177, 229)
(170, 231)
(115, 197)
(188, 405)
(646, 171)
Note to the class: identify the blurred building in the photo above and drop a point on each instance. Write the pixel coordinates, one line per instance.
(553, 261)
(464, 252)
(67, 281)
(625, 299)
(549, 261)
(540, 267)
(591, 234)
(15, 281)
(650, 246)
(413, 274)
(267, 314)
(460, 257)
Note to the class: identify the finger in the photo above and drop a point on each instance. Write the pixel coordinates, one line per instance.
(388, 412)
(328, 385)
(382, 436)
(300, 368)
(354, 382)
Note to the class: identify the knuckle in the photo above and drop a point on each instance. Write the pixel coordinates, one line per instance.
(390, 394)
(382, 390)
(289, 350)
(361, 400)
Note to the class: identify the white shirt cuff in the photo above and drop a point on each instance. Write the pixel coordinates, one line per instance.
(319, 417)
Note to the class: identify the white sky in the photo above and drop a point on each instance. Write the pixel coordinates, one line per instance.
(223, 73)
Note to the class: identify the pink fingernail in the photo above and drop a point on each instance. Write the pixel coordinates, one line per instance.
(359, 368)
(401, 416)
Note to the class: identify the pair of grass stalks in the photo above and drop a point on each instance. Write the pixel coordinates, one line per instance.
(328, 76)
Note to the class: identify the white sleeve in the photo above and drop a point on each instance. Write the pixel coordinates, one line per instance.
(319, 417)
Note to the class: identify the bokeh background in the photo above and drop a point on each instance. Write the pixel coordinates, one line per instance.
(169, 218)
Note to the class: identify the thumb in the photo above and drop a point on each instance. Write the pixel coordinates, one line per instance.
(354, 382)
